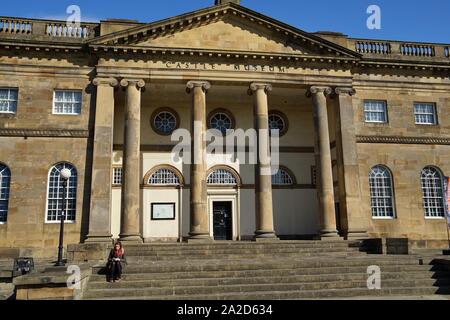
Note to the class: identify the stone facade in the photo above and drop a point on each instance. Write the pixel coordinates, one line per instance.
(127, 71)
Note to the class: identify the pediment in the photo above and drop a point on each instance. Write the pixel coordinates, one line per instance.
(227, 28)
(229, 33)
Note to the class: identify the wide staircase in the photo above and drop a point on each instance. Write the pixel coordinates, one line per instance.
(253, 271)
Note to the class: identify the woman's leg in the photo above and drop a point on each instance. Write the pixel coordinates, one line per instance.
(119, 270)
(113, 271)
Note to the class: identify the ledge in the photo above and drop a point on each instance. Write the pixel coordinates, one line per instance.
(51, 133)
(403, 140)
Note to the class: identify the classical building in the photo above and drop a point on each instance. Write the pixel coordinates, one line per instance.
(364, 131)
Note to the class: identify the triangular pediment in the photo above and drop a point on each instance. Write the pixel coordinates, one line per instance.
(227, 28)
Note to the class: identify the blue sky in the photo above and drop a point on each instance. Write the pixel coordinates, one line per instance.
(413, 20)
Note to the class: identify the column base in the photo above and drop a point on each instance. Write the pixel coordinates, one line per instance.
(199, 237)
(263, 235)
(130, 238)
(331, 235)
(98, 238)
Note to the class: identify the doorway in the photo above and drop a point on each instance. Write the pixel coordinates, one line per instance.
(223, 220)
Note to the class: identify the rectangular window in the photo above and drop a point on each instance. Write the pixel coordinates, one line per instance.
(425, 113)
(8, 100)
(117, 176)
(375, 111)
(67, 102)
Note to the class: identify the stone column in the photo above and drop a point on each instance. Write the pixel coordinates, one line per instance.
(100, 205)
(324, 165)
(263, 172)
(353, 221)
(199, 217)
(130, 213)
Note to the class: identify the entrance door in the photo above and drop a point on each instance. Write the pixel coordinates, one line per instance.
(222, 220)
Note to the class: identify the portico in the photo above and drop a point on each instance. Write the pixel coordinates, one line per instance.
(198, 91)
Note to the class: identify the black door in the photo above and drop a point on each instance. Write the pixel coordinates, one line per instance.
(222, 219)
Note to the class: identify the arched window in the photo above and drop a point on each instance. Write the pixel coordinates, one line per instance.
(164, 176)
(5, 179)
(55, 193)
(433, 192)
(221, 177)
(282, 178)
(381, 192)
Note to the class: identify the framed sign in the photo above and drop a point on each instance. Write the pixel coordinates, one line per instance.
(163, 211)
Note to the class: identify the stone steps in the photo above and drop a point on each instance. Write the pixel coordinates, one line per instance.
(154, 258)
(259, 264)
(221, 246)
(275, 270)
(261, 287)
(286, 278)
(335, 271)
(298, 295)
(6, 291)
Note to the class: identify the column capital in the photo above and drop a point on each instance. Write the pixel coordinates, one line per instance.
(205, 85)
(113, 82)
(255, 86)
(342, 91)
(318, 89)
(139, 83)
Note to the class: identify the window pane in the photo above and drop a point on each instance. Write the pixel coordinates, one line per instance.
(4, 94)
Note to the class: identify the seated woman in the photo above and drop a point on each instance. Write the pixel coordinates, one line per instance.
(116, 260)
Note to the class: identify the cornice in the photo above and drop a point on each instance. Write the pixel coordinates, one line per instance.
(403, 140)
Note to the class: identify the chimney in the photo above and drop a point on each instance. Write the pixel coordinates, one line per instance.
(219, 2)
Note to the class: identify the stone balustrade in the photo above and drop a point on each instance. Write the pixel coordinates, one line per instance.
(418, 50)
(375, 47)
(396, 49)
(38, 29)
(15, 26)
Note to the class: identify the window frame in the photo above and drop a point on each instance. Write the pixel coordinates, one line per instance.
(386, 112)
(212, 171)
(67, 114)
(156, 171)
(435, 114)
(288, 173)
(166, 110)
(10, 100)
(66, 221)
(225, 112)
(392, 196)
(443, 198)
(283, 118)
(114, 168)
